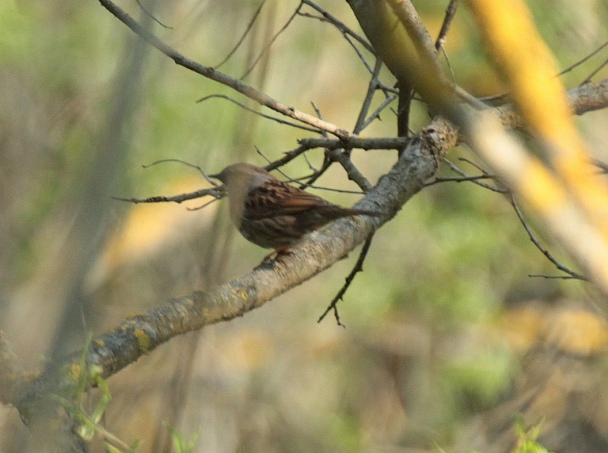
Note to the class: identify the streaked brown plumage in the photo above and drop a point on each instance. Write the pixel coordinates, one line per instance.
(270, 212)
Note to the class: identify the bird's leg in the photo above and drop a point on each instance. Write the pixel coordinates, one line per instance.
(276, 254)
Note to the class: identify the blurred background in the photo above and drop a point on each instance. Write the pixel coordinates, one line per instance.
(447, 337)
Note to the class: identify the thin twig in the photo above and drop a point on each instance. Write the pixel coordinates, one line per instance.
(174, 198)
(320, 116)
(187, 164)
(272, 166)
(310, 180)
(458, 179)
(476, 181)
(390, 89)
(243, 36)
(263, 115)
(553, 277)
(204, 205)
(317, 172)
(216, 191)
(349, 39)
(598, 69)
(289, 156)
(270, 43)
(341, 26)
(376, 113)
(347, 282)
(369, 96)
(342, 156)
(151, 16)
(502, 98)
(368, 66)
(356, 143)
(450, 12)
(539, 246)
(473, 164)
(582, 60)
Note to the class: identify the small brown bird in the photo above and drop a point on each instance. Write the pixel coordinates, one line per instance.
(271, 213)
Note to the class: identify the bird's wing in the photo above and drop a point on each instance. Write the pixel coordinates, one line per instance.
(280, 200)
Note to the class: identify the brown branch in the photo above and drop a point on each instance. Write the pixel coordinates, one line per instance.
(589, 97)
(180, 198)
(450, 12)
(355, 143)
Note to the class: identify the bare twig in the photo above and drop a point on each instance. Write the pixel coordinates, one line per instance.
(450, 12)
(289, 156)
(504, 97)
(349, 39)
(174, 198)
(187, 164)
(368, 66)
(594, 72)
(376, 113)
(318, 112)
(203, 206)
(270, 43)
(582, 60)
(347, 282)
(356, 142)
(476, 180)
(369, 96)
(553, 277)
(151, 16)
(243, 36)
(458, 179)
(216, 191)
(344, 29)
(263, 115)
(544, 251)
(311, 178)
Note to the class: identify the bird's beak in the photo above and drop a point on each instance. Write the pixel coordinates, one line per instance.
(217, 176)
